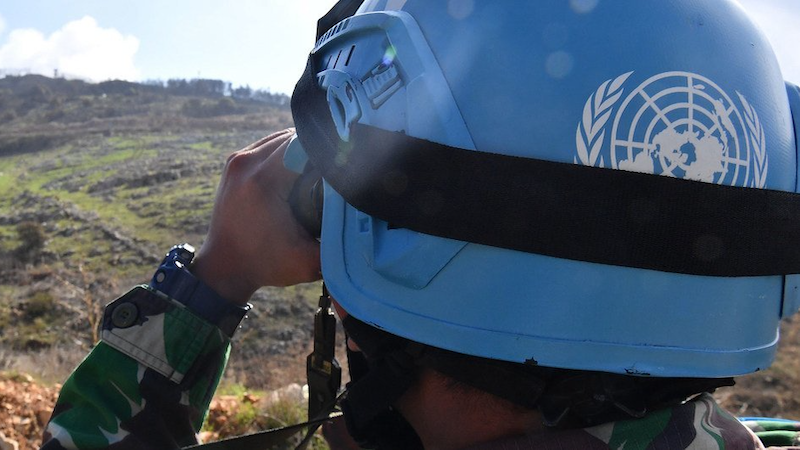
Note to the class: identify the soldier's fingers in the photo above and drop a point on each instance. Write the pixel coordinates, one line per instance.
(271, 171)
(265, 140)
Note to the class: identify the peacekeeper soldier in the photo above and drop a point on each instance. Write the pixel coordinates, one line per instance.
(546, 224)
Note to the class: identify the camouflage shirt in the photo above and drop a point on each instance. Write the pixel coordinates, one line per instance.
(699, 424)
(148, 384)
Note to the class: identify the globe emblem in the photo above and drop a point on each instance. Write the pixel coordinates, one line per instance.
(681, 125)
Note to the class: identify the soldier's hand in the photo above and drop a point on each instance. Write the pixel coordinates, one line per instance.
(253, 238)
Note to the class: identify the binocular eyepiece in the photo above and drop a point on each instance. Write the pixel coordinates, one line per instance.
(306, 197)
(306, 200)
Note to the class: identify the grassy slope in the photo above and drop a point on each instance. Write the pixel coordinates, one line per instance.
(113, 190)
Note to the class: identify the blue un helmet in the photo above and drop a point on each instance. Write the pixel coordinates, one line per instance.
(589, 185)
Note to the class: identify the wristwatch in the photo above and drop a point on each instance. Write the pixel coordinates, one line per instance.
(173, 279)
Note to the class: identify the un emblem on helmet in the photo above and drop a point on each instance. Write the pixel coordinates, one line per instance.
(675, 124)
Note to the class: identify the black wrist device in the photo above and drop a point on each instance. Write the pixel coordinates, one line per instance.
(173, 279)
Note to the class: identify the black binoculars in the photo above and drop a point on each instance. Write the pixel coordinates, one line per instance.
(306, 200)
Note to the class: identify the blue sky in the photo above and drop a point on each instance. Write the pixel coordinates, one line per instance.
(261, 43)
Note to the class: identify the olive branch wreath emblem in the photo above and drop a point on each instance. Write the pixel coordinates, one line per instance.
(756, 134)
(590, 134)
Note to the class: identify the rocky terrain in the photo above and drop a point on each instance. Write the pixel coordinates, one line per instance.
(25, 408)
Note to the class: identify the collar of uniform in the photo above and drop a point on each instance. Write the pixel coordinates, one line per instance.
(698, 424)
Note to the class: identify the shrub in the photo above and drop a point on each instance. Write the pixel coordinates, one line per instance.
(201, 109)
(41, 304)
(32, 238)
(8, 116)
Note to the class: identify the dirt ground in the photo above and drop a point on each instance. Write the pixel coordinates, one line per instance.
(24, 411)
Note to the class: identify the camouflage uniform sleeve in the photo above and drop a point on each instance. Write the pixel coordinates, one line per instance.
(699, 424)
(147, 384)
(777, 433)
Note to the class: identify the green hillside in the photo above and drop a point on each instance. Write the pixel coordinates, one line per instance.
(97, 181)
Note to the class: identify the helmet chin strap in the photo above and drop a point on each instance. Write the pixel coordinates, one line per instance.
(322, 369)
(389, 366)
(380, 374)
(378, 381)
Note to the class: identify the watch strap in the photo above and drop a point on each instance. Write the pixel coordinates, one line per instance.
(173, 279)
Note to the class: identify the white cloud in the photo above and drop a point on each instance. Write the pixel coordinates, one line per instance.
(80, 49)
(2, 24)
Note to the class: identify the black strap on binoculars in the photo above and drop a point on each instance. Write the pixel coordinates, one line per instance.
(264, 440)
(556, 209)
(322, 369)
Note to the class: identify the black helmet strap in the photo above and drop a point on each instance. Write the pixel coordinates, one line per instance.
(557, 209)
(340, 11)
